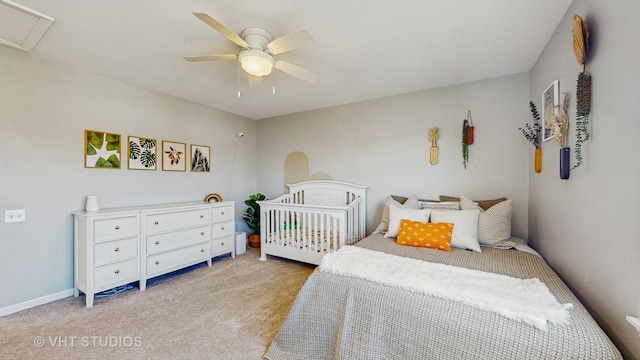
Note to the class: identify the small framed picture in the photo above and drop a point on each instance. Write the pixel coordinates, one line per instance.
(142, 153)
(102, 150)
(174, 156)
(549, 103)
(199, 158)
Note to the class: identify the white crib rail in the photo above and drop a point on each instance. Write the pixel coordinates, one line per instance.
(306, 232)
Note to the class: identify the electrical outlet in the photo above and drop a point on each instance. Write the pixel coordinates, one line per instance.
(11, 216)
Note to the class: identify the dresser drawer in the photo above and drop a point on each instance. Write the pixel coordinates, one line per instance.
(168, 261)
(116, 274)
(222, 245)
(222, 213)
(116, 228)
(112, 251)
(222, 229)
(177, 220)
(172, 240)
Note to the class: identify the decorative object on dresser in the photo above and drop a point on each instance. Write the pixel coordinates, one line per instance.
(114, 247)
(314, 218)
(101, 150)
(252, 218)
(532, 133)
(213, 198)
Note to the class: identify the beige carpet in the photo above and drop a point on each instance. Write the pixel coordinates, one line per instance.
(232, 310)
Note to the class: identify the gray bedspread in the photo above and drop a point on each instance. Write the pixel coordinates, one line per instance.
(338, 317)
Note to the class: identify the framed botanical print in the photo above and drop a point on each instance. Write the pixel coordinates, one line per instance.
(549, 103)
(199, 158)
(142, 153)
(102, 150)
(174, 156)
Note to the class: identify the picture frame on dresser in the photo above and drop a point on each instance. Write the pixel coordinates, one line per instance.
(174, 156)
(102, 150)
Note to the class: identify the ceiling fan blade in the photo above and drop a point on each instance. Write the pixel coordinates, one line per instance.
(255, 81)
(212, 57)
(222, 29)
(295, 70)
(289, 42)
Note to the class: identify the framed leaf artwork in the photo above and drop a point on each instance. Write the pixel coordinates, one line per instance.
(174, 156)
(101, 150)
(199, 158)
(142, 153)
(549, 104)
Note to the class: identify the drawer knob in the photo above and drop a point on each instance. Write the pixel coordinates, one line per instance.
(222, 244)
(222, 213)
(201, 216)
(157, 262)
(155, 223)
(157, 242)
(202, 233)
(201, 250)
(222, 228)
(117, 249)
(117, 271)
(117, 227)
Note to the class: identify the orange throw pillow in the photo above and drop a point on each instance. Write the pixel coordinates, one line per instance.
(430, 235)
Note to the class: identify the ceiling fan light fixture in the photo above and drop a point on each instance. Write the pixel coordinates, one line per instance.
(256, 62)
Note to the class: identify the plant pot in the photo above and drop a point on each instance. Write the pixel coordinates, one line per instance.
(538, 161)
(254, 240)
(471, 134)
(565, 163)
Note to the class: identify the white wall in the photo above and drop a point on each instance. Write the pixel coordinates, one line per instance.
(44, 110)
(587, 227)
(384, 144)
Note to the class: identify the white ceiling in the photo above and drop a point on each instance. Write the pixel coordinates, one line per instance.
(363, 49)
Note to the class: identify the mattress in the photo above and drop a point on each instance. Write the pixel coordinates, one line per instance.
(339, 317)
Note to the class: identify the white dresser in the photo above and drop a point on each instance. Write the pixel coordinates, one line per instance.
(114, 247)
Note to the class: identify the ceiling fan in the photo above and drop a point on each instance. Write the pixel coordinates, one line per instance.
(258, 48)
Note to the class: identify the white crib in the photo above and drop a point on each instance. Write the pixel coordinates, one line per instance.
(316, 217)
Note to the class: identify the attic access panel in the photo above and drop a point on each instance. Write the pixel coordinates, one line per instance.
(20, 27)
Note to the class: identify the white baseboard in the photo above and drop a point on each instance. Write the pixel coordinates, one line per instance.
(35, 302)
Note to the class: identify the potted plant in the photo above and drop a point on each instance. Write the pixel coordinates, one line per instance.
(252, 218)
(532, 133)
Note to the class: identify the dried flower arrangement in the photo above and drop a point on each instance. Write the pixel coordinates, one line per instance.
(559, 123)
(583, 86)
(465, 142)
(533, 132)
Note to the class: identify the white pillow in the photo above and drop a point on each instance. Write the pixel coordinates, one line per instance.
(494, 224)
(465, 227)
(412, 203)
(396, 214)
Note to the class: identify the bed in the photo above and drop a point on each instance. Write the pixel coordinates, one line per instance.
(338, 316)
(316, 217)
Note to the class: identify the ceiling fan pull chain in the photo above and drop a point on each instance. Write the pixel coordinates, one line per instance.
(274, 84)
(238, 69)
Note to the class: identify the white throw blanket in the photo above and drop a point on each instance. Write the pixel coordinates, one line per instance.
(528, 301)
